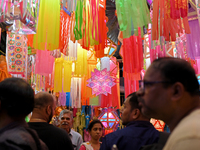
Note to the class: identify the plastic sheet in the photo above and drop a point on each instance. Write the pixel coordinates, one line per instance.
(22, 14)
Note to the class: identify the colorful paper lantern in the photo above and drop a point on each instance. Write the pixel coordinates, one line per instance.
(109, 119)
(101, 82)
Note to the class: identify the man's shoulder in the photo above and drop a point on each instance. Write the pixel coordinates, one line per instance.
(20, 137)
(48, 129)
(187, 128)
(115, 134)
(75, 133)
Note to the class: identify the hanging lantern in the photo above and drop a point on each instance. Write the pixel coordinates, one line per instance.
(109, 119)
(101, 82)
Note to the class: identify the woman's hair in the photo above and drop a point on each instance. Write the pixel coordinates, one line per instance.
(92, 123)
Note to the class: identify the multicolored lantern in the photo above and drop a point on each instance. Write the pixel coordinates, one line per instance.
(109, 119)
(101, 82)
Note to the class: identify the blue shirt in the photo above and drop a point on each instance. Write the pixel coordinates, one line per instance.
(132, 137)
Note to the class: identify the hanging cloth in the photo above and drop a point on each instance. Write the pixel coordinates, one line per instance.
(16, 54)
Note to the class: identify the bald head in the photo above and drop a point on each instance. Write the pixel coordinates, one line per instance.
(42, 99)
(44, 107)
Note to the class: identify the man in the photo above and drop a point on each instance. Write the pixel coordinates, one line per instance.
(138, 131)
(65, 119)
(16, 102)
(170, 92)
(54, 137)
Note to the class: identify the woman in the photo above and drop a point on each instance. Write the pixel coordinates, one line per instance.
(95, 130)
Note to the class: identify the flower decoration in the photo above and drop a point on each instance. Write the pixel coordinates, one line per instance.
(11, 42)
(18, 56)
(101, 82)
(11, 47)
(12, 54)
(19, 69)
(12, 60)
(18, 44)
(18, 49)
(17, 37)
(18, 62)
(12, 67)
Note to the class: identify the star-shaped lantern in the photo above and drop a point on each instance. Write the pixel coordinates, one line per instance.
(101, 82)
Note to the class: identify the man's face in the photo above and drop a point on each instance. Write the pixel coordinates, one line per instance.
(66, 122)
(154, 98)
(126, 113)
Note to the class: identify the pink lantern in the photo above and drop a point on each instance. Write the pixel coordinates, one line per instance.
(101, 82)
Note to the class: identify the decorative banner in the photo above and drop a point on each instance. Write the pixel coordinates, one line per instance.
(16, 54)
(101, 82)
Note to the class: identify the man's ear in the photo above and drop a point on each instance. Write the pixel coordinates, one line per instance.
(177, 91)
(48, 109)
(136, 113)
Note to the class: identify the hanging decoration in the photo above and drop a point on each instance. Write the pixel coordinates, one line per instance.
(44, 66)
(102, 30)
(16, 54)
(65, 22)
(101, 82)
(76, 92)
(109, 119)
(47, 37)
(22, 14)
(62, 75)
(81, 62)
(131, 15)
(193, 41)
(172, 14)
(86, 92)
(112, 23)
